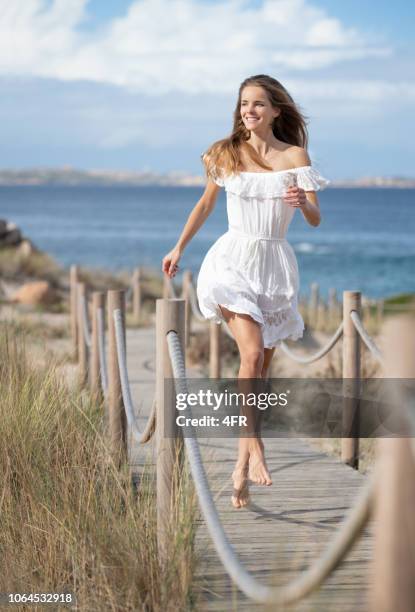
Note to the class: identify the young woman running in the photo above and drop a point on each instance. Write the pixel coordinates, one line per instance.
(249, 276)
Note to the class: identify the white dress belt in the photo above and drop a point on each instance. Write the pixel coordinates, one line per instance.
(255, 236)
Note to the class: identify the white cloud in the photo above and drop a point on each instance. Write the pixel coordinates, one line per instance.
(369, 92)
(163, 46)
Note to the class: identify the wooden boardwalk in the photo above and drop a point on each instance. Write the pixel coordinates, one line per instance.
(285, 526)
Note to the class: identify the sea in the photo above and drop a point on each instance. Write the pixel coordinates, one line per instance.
(365, 241)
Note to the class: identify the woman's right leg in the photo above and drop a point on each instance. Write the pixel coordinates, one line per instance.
(248, 336)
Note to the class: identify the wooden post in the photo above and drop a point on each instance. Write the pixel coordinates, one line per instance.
(170, 315)
(351, 380)
(83, 352)
(313, 304)
(333, 309)
(98, 301)
(321, 318)
(215, 349)
(73, 280)
(393, 561)
(116, 414)
(136, 284)
(187, 279)
(303, 309)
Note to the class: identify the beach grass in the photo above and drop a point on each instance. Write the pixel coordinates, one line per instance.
(38, 265)
(72, 521)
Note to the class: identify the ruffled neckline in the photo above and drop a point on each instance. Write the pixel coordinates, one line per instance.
(273, 183)
(275, 171)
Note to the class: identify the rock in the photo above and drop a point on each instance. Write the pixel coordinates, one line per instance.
(10, 234)
(11, 238)
(39, 292)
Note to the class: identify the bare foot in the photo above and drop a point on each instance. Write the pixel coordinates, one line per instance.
(258, 471)
(240, 494)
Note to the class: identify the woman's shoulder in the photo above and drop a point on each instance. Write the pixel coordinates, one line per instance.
(298, 157)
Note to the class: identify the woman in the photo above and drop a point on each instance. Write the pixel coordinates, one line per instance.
(249, 277)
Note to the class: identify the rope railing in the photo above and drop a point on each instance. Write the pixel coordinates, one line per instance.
(140, 436)
(323, 351)
(312, 578)
(101, 351)
(369, 342)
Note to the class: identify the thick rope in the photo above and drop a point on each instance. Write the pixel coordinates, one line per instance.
(85, 325)
(309, 580)
(357, 322)
(336, 336)
(101, 351)
(139, 436)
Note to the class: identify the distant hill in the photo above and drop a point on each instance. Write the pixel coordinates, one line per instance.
(72, 176)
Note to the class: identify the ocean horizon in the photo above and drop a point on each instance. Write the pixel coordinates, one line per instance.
(365, 240)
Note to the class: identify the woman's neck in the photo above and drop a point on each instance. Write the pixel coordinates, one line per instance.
(263, 144)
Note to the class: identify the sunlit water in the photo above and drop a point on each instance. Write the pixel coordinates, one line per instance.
(366, 240)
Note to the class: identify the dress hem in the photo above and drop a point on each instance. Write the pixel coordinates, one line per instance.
(295, 334)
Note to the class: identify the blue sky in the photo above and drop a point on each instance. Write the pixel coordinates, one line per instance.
(149, 84)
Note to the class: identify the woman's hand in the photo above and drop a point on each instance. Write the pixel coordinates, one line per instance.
(295, 197)
(170, 261)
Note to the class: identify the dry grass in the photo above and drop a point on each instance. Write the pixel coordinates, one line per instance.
(71, 520)
(38, 265)
(37, 330)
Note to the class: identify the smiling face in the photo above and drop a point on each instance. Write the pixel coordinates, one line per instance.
(256, 110)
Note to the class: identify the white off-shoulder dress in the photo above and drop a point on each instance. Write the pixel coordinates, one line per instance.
(252, 268)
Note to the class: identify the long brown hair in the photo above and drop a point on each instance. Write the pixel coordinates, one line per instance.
(223, 157)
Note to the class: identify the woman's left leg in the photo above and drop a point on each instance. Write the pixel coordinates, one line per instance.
(258, 471)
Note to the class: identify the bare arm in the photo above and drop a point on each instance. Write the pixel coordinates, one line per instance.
(196, 219)
(311, 209)
(199, 214)
(307, 201)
